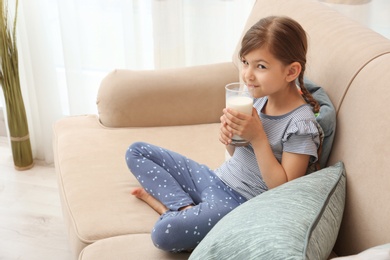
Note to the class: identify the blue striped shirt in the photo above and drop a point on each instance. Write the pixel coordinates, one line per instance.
(294, 132)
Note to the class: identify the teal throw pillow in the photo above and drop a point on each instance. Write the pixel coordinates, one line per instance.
(297, 220)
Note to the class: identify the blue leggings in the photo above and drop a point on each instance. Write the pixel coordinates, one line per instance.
(177, 181)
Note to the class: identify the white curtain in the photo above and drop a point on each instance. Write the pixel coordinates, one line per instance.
(66, 47)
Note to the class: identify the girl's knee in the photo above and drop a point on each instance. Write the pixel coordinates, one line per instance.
(136, 147)
(164, 239)
(178, 231)
(169, 234)
(133, 153)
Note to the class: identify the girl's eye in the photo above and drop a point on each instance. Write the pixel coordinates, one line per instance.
(261, 66)
(244, 62)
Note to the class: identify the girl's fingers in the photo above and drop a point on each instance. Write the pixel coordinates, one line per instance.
(225, 135)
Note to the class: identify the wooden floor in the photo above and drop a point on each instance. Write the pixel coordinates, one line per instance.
(31, 224)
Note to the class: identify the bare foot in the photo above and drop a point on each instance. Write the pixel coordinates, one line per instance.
(155, 204)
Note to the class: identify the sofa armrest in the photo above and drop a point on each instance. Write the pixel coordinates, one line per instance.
(182, 96)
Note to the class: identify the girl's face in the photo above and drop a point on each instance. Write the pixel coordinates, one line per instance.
(263, 73)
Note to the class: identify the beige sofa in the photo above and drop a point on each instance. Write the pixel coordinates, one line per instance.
(180, 108)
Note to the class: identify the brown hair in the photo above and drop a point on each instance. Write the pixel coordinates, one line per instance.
(286, 40)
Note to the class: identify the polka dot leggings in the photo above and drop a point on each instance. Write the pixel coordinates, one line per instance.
(177, 181)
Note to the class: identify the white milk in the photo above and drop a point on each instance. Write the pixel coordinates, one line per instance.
(241, 104)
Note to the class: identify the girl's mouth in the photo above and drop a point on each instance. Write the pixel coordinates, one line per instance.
(250, 86)
(251, 89)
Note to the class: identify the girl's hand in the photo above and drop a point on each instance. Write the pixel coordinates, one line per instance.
(225, 135)
(248, 127)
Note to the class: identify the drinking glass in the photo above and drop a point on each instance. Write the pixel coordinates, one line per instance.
(239, 98)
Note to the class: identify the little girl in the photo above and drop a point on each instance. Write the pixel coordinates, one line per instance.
(191, 198)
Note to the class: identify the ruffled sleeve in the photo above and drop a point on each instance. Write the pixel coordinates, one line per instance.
(303, 137)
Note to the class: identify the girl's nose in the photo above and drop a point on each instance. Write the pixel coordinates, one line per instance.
(248, 74)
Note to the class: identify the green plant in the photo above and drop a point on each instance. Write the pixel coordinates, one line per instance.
(10, 82)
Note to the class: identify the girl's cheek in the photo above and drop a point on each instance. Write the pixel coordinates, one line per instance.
(243, 75)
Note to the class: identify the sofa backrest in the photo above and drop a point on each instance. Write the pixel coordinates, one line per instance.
(351, 63)
(362, 142)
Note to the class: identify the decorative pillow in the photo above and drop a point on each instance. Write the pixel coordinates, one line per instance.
(297, 220)
(326, 118)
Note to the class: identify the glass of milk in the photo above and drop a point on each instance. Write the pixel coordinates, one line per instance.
(239, 98)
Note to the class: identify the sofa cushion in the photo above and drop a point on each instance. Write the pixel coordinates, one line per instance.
(381, 252)
(135, 246)
(297, 220)
(95, 183)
